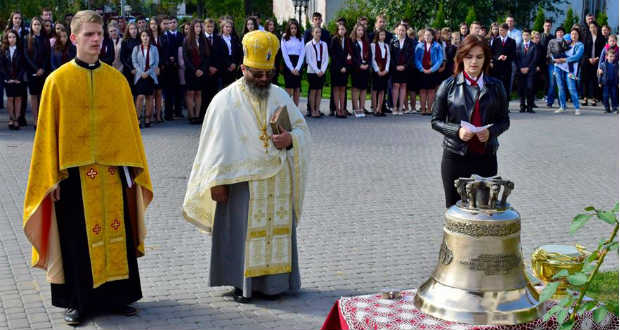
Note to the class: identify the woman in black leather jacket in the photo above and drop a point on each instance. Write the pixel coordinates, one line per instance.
(130, 40)
(474, 97)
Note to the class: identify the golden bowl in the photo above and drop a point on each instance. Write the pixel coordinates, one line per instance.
(550, 259)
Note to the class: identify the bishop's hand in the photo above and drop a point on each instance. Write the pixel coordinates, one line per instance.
(282, 140)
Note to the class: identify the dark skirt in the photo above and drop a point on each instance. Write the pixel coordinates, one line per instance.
(429, 81)
(291, 80)
(399, 77)
(315, 81)
(360, 79)
(192, 82)
(145, 86)
(77, 291)
(413, 80)
(339, 79)
(15, 90)
(129, 76)
(35, 84)
(379, 83)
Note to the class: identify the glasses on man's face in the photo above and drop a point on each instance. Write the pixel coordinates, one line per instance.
(259, 74)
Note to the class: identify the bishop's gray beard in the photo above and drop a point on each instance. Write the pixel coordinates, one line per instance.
(259, 92)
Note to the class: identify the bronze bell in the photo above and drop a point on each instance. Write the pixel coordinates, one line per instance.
(480, 276)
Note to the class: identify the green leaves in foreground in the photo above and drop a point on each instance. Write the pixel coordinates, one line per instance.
(578, 279)
(548, 291)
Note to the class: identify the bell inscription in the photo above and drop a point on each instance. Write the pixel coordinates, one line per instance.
(493, 264)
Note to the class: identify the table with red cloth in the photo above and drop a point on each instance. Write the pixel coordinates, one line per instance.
(374, 312)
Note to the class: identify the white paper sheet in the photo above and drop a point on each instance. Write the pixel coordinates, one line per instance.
(472, 128)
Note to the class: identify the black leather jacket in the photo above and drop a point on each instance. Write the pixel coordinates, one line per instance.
(455, 102)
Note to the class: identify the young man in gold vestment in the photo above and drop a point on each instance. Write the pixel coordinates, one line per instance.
(89, 183)
(247, 183)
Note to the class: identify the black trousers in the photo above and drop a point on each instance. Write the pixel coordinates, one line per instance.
(526, 88)
(211, 87)
(454, 166)
(78, 292)
(172, 92)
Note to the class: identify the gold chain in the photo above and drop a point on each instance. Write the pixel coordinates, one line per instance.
(259, 108)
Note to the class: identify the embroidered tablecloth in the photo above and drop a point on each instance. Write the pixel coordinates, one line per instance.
(374, 312)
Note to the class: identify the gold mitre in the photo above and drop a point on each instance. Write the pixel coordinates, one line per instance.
(260, 49)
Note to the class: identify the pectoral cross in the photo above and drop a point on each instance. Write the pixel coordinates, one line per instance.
(265, 138)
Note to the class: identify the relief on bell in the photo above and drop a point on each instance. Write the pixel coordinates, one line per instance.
(493, 264)
(445, 254)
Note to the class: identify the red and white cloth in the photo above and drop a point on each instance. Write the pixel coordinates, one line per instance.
(374, 312)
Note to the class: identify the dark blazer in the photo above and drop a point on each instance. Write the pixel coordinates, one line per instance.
(12, 68)
(529, 59)
(218, 51)
(106, 55)
(402, 56)
(235, 49)
(598, 45)
(59, 58)
(172, 43)
(455, 102)
(127, 47)
(356, 57)
(508, 49)
(203, 50)
(338, 54)
(38, 57)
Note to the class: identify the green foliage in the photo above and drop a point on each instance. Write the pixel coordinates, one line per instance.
(440, 17)
(601, 18)
(539, 21)
(570, 20)
(587, 280)
(471, 15)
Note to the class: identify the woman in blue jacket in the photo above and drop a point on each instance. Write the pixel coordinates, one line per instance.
(568, 70)
(428, 59)
(145, 60)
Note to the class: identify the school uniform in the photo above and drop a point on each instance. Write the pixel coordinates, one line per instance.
(339, 51)
(212, 81)
(37, 57)
(159, 43)
(232, 54)
(380, 62)
(402, 52)
(293, 54)
(172, 73)
(12, 68)
(413, 74)
(526, 57)
(503, 69)
(361, 55)
(195, 58)
(429, 57)
(317, 58)
(106, 54)
(117, 64)
(127, 47)
(145, 60)
(60, 57)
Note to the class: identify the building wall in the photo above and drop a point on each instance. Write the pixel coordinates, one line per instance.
(284, 9)
(578, 9)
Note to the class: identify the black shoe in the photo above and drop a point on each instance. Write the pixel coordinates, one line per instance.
(22, 121)
(387, 110)
(530, 110)
(549, 105)
(168, 118)
(367, 112)
(72, 316)
(238, 296)
(147, 125)
(607, 110)
(522, 109)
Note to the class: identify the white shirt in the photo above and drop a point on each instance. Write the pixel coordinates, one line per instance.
(593, 46)
(526, 45)
(401, 43)
(359, 42)
(227, 40)
(427, 45)
(313, 49)
(480, 80)
(385, 53)
(293, 46)
(12, 50)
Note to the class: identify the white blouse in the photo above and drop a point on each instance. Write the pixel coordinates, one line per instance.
(227, 40)
(315, 52)
(293, 46)
(12, 51)
(385, 52)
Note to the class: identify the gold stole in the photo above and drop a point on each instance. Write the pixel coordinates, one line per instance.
(102, 195)
(268, 242)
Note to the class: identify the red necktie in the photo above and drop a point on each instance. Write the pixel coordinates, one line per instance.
(475, 146)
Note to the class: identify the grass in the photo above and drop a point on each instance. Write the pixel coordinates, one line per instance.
(604, 287)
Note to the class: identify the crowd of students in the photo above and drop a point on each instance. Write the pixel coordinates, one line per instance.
(174, 66)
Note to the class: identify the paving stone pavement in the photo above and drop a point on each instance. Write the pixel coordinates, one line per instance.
(372, 217)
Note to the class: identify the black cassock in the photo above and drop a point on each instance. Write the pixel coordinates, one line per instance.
(78, 292)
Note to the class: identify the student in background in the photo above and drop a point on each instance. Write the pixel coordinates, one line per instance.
(232, 53)
(195, 56)
(341, 60)
(428, 59)
(130, 41)
(12, 71)
(216, 51)
(293, 53)
(145, 61)
(317, 57)
(117, 41)
(526, 60)
(381, 69)
(608, 81)
(37, 55)
(401, 51)
(63, 51)
(156, 35)
(360, 69)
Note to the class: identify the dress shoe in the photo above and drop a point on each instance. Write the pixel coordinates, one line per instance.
(522, 109)
(238, 296)
(72, 316)
(265, 296)
(530, 110)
